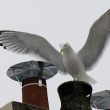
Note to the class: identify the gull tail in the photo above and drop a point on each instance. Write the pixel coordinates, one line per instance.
(87, 78)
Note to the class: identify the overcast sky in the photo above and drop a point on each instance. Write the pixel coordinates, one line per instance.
(57, 21)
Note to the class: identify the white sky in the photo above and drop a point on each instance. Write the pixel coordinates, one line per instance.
(57, 21)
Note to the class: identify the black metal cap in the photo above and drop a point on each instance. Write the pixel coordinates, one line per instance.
(75, 95)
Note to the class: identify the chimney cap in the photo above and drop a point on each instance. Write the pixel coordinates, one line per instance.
(69, 88)
(29, 69)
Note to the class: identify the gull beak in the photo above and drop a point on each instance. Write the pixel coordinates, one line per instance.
(61, 47)
(61, 51)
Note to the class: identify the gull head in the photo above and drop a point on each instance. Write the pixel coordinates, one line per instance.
(64, 46)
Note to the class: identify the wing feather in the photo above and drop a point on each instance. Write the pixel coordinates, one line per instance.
(94, 46)
(26, 43)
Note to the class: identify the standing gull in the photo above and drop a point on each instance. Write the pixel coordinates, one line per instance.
(26, 43)
(74, 65)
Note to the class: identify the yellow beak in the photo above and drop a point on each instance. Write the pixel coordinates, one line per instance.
(61, 51)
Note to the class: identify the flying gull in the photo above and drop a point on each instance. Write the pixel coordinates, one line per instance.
(88, 55)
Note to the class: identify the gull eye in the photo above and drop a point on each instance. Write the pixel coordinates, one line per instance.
(65, 45)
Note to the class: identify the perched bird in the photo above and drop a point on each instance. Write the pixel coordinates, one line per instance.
(74, 65)
(26, 43)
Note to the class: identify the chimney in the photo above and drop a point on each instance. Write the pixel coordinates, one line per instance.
(75, 95)
(34, 94)
(32, 75)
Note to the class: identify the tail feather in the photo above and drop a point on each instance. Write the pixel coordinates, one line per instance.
(87, 78)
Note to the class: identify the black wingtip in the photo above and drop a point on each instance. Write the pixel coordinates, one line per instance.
(1, 44)
(4, 47)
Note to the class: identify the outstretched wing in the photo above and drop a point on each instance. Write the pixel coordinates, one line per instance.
(26, 43)
(98, 35)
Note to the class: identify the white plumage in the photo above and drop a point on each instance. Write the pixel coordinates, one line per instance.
(26, 43)
(74, 65)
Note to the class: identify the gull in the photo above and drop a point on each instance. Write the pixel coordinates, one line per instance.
(74, 65)
(86, 57)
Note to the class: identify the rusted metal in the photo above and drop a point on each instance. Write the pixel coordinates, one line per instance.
(35, 94)
(33, 76)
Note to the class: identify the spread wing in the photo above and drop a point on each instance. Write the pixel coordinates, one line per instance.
(26, 43)
(94, 46)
